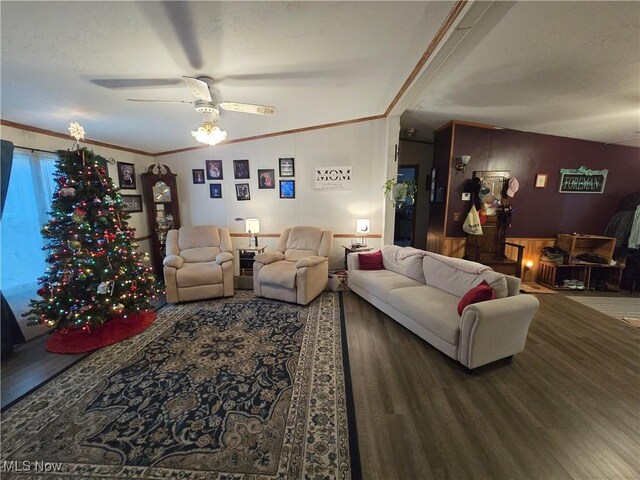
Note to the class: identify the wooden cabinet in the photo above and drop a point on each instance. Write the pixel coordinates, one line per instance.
(163, 212)
(576, 245)
(592, 275)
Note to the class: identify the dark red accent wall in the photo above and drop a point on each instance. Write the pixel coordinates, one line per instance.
(543, 212)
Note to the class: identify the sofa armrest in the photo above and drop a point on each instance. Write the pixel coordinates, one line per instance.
(269, 257)
(311, 261)
(174, 261)
(495, 329)
(353, 261)
(224, 257)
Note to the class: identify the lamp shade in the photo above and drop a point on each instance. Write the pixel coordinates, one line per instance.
(362, 225)
(252, 225)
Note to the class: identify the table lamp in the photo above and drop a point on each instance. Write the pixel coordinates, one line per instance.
(252, 226)
(362, 228)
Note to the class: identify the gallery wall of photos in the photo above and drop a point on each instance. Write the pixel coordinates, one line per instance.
(267, 179)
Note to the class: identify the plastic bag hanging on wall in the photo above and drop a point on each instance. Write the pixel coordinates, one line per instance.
(471, 224)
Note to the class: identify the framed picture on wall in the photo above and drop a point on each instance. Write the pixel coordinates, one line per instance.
(541, 180)
(287, 167)
(127, 176)
(198, 175)
(287, 189)
(240, 169)
(242, 191)
(266, 178)
(214, 169)
(132, 203)
(215, 190)
(432, 185)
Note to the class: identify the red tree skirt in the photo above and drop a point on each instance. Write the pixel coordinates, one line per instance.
(114, 331)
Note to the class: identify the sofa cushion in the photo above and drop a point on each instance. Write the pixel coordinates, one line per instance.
(430, 307)
(196, 274)
(281, 274)
(370, 261)
(457, 276)
(202, 254)
(380, 282)
(406, 261)
(480, 293)
(294, 254)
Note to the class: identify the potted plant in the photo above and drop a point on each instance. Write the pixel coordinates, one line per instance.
(400, 194)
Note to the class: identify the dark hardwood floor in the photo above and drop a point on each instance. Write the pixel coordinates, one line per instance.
(30, 365)
(568, 407)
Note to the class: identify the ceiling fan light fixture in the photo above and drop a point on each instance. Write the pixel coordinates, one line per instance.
(209, 134)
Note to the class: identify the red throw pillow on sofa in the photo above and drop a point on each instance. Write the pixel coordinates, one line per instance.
(479, 293)
(370, 261)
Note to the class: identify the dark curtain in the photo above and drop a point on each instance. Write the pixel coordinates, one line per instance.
(10, 333)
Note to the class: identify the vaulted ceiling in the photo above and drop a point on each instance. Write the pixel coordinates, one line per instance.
(565, 68)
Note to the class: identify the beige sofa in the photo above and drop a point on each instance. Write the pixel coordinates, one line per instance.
(199, 263)
(298, 270)
(421, 290)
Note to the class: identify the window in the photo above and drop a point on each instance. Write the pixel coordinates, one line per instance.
(31, 186)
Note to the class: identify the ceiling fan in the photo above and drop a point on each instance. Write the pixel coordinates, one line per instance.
(209, 132)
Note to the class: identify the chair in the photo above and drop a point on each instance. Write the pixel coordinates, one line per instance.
(199, 263)
(299, 268)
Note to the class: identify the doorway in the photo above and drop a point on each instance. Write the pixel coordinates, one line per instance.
(405, 219)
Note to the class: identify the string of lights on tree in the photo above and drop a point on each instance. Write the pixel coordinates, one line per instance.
(95, 271)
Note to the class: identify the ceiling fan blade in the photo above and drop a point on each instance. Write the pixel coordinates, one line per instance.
(157, 101)
(117, 83)
(248, 108)
(199, 88)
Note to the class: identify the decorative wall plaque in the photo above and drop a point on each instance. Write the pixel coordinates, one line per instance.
(582, 180)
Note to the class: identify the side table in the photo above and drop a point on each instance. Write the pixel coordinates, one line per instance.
(351, 249)
(245, 255)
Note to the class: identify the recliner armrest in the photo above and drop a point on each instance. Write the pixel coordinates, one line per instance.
(311, 261)
(174, 261)
(269, 257)
(224, 257)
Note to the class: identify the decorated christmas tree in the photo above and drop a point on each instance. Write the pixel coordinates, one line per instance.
(95, 272)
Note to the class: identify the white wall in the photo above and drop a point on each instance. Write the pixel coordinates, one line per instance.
(357, 145)
(24, 138)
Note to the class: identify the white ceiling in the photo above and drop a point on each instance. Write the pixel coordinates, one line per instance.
(317, 62)
(563, 68)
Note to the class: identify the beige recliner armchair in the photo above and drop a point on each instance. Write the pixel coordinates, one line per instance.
(199, 263)
(299, 268)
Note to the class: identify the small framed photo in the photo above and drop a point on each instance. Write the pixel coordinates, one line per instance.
(266, 178)
(132, 203)
(541, 180)
(287, 189)
(240, 169)
(242, 191)
(287, 167)
(198, 175)
(127, 176)
(214, 169)
(215, 190)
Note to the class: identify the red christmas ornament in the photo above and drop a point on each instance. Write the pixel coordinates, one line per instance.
(42, 291)
(109, 237)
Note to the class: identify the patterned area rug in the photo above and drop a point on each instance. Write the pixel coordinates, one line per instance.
(626, 309)
(224, 389)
